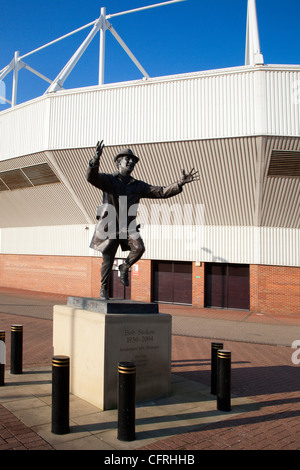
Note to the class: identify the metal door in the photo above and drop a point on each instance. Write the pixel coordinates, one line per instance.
(172, 282)
(227, 286)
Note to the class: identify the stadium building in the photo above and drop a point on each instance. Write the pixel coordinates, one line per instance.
(230, 240)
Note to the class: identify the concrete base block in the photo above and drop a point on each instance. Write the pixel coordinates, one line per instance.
(96, 342)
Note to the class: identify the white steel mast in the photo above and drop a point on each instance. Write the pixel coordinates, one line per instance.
(253, 55)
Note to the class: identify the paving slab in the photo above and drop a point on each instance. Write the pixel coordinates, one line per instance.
(189, 406)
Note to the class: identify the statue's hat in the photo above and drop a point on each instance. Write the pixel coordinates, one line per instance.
(126, 152)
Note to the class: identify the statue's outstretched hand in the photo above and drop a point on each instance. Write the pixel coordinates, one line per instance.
(189, 177)
(99, 148)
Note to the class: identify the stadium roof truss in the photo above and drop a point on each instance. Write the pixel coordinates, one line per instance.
(253, 54)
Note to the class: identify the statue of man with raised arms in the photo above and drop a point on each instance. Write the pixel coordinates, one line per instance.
(121, 195)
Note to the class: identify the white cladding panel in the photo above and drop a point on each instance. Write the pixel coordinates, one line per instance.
(249, 245)
(233, 189)
(283, 102)
(24, 129)
(61, 240)
(214, 104)
(155, 111)
(280, 244)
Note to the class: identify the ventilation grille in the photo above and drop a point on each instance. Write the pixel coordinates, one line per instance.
(35, 175)
(284, 164)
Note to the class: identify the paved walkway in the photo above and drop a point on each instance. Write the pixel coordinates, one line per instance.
(265, 385)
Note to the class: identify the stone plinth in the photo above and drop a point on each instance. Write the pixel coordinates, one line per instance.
(97, 341)
(112, 306)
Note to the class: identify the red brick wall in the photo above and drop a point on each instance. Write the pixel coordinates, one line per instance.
(68, 275)
(254, 286)
(95, 267)
(141, 281)
(198, 285)
(275, 289)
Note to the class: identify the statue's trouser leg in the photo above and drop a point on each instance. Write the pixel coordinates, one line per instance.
(108, 255)
(137, 249)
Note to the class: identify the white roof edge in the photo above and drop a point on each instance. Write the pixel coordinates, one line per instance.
(182, 76)
(164, 78)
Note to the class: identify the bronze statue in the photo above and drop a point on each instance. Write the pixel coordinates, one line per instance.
(121, 192)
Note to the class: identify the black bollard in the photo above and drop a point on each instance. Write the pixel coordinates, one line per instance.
(2, 357)
(60, 394)
(16, 356)
(224, 380)
(213, 377)
(126, 401)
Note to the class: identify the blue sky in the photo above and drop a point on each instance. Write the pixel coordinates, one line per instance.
(190, 36)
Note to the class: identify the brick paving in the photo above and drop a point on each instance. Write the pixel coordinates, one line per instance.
(14, 435)
(37, 351)
(264, 373)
